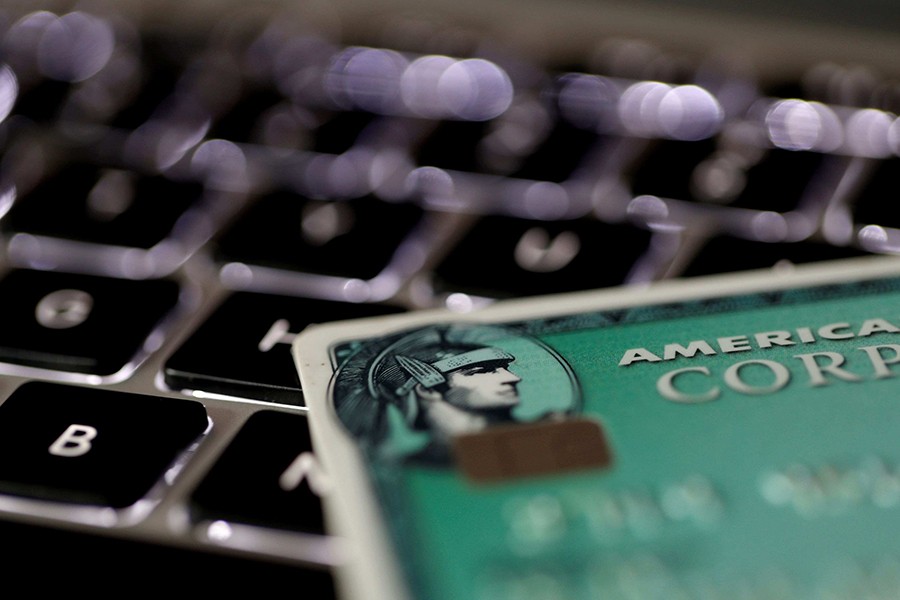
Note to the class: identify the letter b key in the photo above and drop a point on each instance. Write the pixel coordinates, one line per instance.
(91, 446)
(75, 441)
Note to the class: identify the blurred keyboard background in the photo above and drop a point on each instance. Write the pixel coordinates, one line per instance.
(183, 189)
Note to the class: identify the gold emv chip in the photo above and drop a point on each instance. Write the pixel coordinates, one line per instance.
(524, 450)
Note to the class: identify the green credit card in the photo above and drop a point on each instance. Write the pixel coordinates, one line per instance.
(728, 438)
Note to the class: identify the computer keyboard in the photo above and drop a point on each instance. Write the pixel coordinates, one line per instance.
(176, 204)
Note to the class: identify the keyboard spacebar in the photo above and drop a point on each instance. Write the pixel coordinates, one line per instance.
(42, 557)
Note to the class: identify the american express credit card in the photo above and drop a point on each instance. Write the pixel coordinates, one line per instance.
(730, 437)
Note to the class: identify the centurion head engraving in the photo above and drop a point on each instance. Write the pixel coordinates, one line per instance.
(440, 382)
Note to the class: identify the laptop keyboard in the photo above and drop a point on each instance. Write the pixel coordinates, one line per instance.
(175, 206)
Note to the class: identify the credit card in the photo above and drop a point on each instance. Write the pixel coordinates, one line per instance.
(727, 437)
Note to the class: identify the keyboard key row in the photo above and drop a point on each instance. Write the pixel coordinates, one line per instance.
(92, 448)
(80, 216)
(95, 328)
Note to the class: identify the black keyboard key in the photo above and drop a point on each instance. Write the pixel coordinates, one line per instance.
(779, 180)
(339, 131)
(347, 238)
(91, 446)
(528, 141)
(877, 202)
(243, 349)
(162, 63)
(532, 144)
(158, 84)
(454, 145)
(79, 323)
(108, 206)
(504, 257)
(725, 254)
(669, 171)
(267, 477)
(43, 102)
(243, 121)
(560, 154)
(107, 561)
